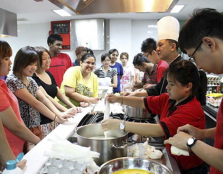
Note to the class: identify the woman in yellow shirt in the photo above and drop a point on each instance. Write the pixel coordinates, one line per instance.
(80, 84)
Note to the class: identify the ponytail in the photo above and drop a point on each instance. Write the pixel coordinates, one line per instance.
(185, 72)
(201, 92)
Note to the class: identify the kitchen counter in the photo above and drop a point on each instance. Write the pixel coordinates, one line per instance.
(36, 159)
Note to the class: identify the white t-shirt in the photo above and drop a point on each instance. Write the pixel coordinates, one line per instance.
(129, 72)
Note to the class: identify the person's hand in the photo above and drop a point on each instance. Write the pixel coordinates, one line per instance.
(191, 130)
(74, 110)
(147, 86)
(22, 164)
(84, 104)
(179, 140)
(112, 98)
(67, 114)
(126, 93)
(94, 100)
(110, 124)
(77, 109)
(133, 93)
(60, 120)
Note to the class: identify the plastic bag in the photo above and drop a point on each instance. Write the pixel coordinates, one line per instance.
(63, 149)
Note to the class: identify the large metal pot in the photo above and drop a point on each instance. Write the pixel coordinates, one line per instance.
(137, 112)
(134, 163)
(114, 146)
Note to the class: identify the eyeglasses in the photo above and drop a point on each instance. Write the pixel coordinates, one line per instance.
(192, 55)
(90, 63)
(199, 45)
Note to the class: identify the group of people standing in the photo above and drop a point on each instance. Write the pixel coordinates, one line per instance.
(176, 93)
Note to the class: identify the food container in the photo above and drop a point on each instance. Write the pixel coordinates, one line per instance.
(114, 146)
(134, 163)
(137, 112)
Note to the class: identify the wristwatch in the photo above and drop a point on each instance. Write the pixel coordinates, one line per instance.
(122, 126)
(191, 142)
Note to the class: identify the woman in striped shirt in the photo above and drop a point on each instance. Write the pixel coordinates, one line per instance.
(107, 75)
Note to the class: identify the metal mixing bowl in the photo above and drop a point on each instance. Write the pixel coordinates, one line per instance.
(133, 163)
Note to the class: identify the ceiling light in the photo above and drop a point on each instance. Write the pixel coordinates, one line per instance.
(177, 8)
(61, 12)
(152, 26)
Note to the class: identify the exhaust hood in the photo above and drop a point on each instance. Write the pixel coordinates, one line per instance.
(115, 6)
(8, 21)
(88, 33)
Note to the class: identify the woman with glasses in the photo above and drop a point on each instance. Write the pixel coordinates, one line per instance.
(80, 84)
(107, 76)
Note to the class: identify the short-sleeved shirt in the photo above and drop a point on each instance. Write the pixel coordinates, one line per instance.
(73, 78)
(129, 72)
(160, 87)
(51, 90)
(218, 136)
(188, 111)
(59, 65)
(119, 70)
(8, 99)
(76, 63)
(150, 78)
(29, 114)
(161, 67)
(110, 73)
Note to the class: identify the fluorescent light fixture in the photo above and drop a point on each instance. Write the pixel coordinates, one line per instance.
(177, 8)
(152, 26)
(2, 35)
(61, 12)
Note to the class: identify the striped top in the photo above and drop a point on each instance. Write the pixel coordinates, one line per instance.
(110, 73)
(150, 78)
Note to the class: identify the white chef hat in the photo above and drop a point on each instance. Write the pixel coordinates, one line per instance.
(168, 28)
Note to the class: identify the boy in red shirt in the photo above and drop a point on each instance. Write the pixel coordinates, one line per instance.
(149, 50)
(60, 62)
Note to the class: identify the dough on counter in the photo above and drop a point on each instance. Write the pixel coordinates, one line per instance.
(177, 151)
(149, 151)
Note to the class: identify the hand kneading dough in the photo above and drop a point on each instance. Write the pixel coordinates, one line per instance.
(177, 151)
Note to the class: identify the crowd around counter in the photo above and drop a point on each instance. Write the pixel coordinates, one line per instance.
(46, 88)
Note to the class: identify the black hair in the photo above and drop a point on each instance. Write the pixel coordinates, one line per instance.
(204, 22)
(185, 72)
(54, 37)
(24, 57)
(40, 50)
(139, 59)
(171, 41)
(86, 56)
(89, 51)
(5, 49)
(112, 51)
(103, 56)
(148, 45)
